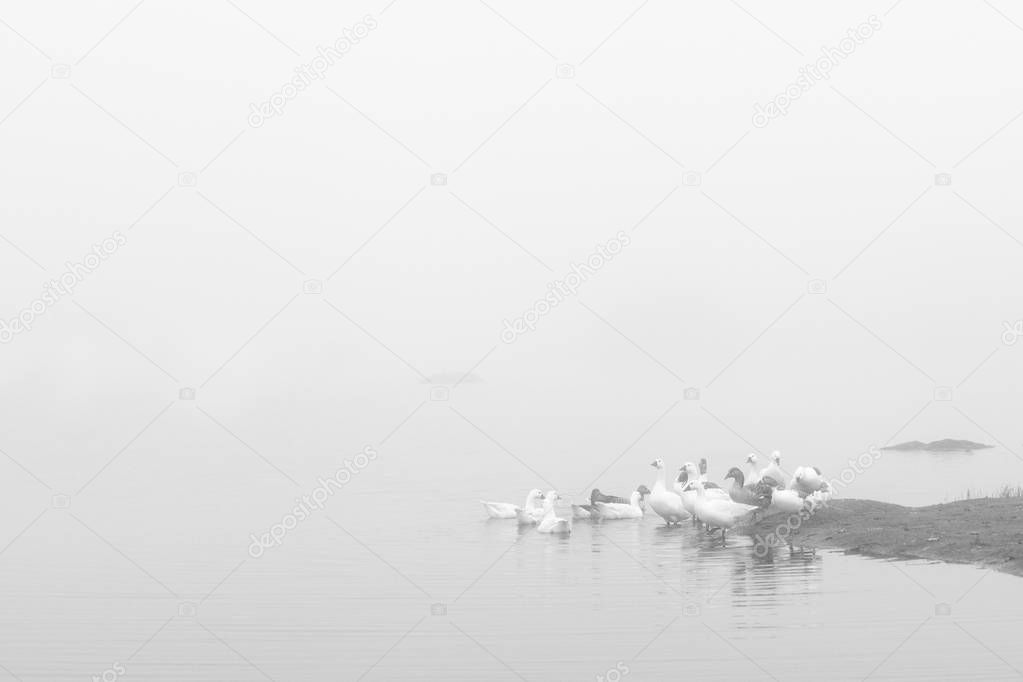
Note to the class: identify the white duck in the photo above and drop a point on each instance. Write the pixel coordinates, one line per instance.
(550, 523)
(753, 474)
(808, 480)
(585, 511)
(506, 510)
(720, 513)
(783, 501)
(616, 510)
(685, 486)
(818, 499)
(667, 503)
(773, 469)
(531, 516)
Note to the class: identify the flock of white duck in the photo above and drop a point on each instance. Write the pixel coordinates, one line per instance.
(758, 493)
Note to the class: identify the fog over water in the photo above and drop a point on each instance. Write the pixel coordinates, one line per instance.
(218, 287)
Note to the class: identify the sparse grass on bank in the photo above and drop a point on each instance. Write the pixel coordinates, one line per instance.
(1006, 491)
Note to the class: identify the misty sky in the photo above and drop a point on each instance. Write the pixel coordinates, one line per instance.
(729, 224)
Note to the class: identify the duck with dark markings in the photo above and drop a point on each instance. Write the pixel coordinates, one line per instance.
(757, 494)
(591, 511)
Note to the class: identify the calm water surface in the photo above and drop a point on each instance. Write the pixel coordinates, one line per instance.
(401, 576)
(363, 592)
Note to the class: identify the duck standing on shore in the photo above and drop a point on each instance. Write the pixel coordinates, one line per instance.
(753, 472)
(758, 494)
(773, 469)
(783, 500)
(808, 480)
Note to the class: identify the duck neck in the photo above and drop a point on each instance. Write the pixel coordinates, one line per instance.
(548, 506)
(694, 475)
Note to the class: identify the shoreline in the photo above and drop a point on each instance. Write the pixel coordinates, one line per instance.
(986, 532)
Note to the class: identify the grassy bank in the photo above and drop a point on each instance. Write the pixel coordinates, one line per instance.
(983, 531)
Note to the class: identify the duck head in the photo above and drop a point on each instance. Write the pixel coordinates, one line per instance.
(735, 474)
(643, 490)
(657, 463)
(688, 476)
(776, 457)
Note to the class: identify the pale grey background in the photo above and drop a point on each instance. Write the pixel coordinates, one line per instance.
(417, 279)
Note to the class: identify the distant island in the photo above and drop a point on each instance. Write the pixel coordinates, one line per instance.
(944, 445)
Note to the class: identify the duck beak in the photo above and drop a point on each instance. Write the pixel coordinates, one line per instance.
(653, 464)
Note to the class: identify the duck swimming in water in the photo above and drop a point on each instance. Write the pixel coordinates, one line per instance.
(589, 511)
(507, 510)
(551, 523)
(616, 510)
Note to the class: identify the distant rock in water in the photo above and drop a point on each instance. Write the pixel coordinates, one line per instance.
(944, 445)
